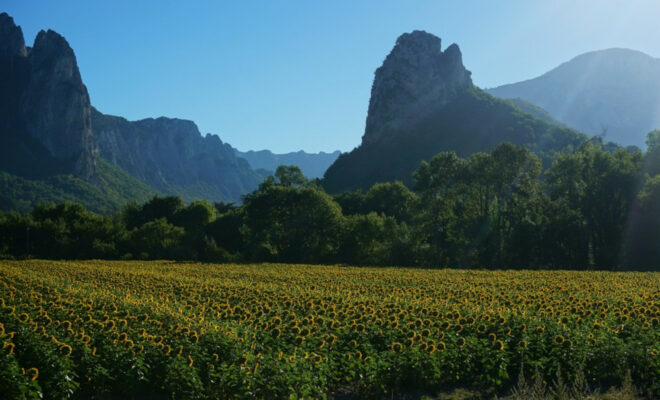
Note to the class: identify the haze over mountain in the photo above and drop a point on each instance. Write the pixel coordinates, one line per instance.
(313, 165)
(423, 102)
(615, 92)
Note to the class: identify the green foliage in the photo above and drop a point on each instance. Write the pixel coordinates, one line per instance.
(592, 208)
(290, 175)
(285, 223)
(157, 239)
(107, 195)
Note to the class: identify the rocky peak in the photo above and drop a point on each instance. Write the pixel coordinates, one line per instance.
(11, 37)
(416, 79)
(55, 104)
(52, 52)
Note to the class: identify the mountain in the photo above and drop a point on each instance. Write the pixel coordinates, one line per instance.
(172, 156)
(54, 144)
(423, 102)
(45, 123)
(46, 140)
(614, 91)
(313, 165)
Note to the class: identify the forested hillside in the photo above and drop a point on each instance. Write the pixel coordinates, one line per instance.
(592, 208)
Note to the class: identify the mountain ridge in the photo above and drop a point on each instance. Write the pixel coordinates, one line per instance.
(615, 92)
(313, 165)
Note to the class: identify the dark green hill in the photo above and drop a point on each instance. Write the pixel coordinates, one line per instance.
(111, 190)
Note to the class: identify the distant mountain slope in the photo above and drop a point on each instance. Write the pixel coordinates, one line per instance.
(614, 91)
(423, 102)
(535, 111)
(313, 165)
(113, 189)
(172, 156)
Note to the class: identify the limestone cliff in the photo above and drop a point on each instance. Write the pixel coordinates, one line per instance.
(47, 108)
(172, 156)
(415, 81)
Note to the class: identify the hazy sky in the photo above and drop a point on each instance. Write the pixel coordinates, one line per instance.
(291, 75)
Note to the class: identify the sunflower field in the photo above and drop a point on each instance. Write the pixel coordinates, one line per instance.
(103, 329)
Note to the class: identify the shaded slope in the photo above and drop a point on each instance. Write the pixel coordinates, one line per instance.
(613, 91)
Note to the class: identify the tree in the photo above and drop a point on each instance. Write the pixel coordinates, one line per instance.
(652, 157)
(292, 224)
(438, 185)
(156, 208)
(156, 239)
(393, 199)
(602, 186)
(643, 234)
(290, 175)
(351, 202)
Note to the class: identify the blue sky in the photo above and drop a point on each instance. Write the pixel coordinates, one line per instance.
(291, 75)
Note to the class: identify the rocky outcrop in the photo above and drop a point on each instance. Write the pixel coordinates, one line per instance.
(415, 81)
(11, 38)
(56, 106)
(46, 99)
(172, 156)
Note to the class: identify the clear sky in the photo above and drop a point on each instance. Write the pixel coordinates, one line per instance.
(291, 75)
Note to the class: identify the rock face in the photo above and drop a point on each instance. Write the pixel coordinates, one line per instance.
(47, 101)
(12, 43)
(56, 106)
(416, 80)
(170, 155)
(615, 92)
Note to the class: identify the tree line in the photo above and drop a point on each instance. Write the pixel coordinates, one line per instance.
(593, 208)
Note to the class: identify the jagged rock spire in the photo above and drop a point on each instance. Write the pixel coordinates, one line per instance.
(416, 79)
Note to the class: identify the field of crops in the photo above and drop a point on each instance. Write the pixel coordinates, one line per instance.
(136, 329)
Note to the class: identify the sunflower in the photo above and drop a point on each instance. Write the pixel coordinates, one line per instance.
(559, 340)
(396, 347)
(461, 342)
(498, 345)
(441, 346)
